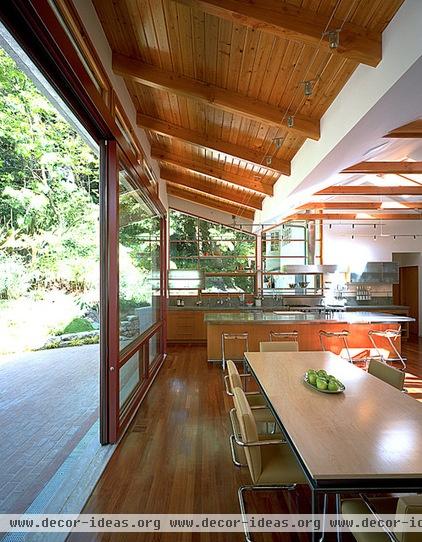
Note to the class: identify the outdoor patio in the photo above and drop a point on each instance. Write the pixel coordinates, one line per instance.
(49, 400)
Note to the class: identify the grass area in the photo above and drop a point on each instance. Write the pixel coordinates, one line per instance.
(27, 323)
(77, 325)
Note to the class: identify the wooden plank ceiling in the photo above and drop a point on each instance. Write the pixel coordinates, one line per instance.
(215, 81)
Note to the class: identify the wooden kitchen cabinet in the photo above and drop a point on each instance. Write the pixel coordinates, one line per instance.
(186, 326)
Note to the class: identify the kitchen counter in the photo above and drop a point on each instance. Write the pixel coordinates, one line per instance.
(259, 324)
(377, 307)
(262, 317)
(224, 308)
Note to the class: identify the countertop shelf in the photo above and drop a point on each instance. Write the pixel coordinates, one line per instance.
(360, 317)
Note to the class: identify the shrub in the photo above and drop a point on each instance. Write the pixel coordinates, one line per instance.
(14, 277)
(77, 325)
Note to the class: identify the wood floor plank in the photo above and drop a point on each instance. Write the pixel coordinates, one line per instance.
(175, 456)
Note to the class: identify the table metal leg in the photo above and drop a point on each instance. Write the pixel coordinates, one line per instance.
(314, 497)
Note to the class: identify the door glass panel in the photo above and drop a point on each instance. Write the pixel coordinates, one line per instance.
(154, 348)
(139, 264)
(129, 377)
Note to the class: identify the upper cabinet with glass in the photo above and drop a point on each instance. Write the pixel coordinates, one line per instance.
(291, 244)
(376, 272)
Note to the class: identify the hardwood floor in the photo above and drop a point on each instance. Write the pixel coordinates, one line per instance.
(175, 456)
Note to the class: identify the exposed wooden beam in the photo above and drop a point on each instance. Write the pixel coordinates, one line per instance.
(408, 131)
(294, 23)
(217, 97)
(340, 205)
(213, 170)
(209, 201)
(212, 188)
(371, 191)
(196, 138)
(385, 167)
(353, 216)
(359, 206)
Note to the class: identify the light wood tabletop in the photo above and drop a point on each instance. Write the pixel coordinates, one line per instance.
(372, 430)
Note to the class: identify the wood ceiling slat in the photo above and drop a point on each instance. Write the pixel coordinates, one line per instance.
(211, 187)
(281, 19)
(209, 201)
(214, 169)
(170, 35)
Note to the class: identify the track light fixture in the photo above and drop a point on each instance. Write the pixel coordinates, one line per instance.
(333, 38)
(308, 87)
(278, 141)
(268, 160)
(290, 121)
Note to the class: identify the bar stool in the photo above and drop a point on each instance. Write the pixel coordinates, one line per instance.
(350, 354)
(234, 337)
(390, 335)
(284, 336)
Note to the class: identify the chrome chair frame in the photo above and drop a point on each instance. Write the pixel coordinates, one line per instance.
(284, 335)
(255, 487)
(391, 335)
(235, 435)
(340, 335)
(368, 503)
(230, 337)
(228, 389)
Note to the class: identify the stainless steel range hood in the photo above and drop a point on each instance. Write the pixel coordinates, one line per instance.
(303, 269)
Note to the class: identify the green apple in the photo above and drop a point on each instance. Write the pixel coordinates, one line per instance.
(321, 384)
(312, 378)
(333, 385)
(331, 377)
(321, 372)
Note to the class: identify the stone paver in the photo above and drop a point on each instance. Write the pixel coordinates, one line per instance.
(48, 401)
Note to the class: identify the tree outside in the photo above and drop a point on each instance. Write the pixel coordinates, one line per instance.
(49, 213)
(216, 249)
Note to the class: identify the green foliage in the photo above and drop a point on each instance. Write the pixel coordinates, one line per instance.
(14, 278)
(139, 251)
(216, 243)
(77, 325)
(48, 190)
(74, 342)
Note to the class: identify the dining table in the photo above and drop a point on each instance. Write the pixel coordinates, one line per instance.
(366, 439)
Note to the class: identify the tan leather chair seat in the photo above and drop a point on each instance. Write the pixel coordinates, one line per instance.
(407, 505)
(357, 506)
(279, 346)
(279, 466)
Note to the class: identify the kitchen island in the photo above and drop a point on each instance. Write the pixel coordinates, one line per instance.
(259, 324)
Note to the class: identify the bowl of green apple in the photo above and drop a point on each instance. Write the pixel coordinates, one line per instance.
(321, 381)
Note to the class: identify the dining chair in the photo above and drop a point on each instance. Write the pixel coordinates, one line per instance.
(279, 346)
(350, 354)
(256, 401)
(388, 374)
(271, 463)
(409, 505)
(284, 335)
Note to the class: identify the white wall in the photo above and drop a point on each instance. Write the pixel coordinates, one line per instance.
(339, 247)
(373, 102)
(96, 34)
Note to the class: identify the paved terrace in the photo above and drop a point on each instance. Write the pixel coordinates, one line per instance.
(48, 402)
